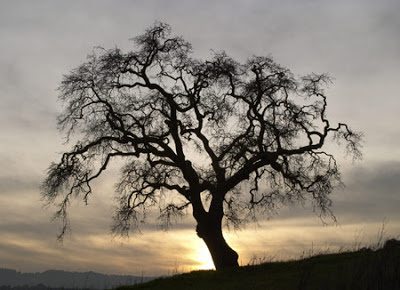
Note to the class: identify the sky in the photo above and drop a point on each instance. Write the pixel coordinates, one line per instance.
(355, 41)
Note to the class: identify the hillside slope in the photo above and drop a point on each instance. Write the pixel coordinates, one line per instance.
(364, 269)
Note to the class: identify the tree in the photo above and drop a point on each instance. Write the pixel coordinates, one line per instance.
(219, 138)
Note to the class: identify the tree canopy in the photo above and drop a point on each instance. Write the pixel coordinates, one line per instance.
(222, 139)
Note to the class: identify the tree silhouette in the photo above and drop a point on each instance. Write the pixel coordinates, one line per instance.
(219, 138)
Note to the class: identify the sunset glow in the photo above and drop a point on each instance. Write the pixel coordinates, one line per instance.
(355, 42)
(204, 259)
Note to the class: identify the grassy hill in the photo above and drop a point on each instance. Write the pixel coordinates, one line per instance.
(363, 269)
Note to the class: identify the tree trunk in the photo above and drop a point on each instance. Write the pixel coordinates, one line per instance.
(210, 230)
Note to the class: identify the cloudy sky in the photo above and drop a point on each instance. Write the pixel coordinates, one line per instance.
(355, 41)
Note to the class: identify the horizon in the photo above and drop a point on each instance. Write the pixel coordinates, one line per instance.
(355, 42)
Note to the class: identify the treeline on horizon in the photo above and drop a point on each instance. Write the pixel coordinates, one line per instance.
(56, 279)
(37, 287)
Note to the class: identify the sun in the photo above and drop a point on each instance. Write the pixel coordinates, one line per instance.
(204, 259)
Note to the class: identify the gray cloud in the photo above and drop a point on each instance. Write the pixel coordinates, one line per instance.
(355, 41)
(372, 193)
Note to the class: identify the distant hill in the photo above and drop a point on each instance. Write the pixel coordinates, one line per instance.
(64, 279)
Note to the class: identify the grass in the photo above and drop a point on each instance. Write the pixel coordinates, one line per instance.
(362, 269)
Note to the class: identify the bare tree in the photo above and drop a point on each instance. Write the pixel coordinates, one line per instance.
(219, 138)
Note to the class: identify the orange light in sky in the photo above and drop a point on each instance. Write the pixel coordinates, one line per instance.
(203, 256)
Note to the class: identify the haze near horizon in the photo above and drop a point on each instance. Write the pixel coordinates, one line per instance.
(354, 41)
